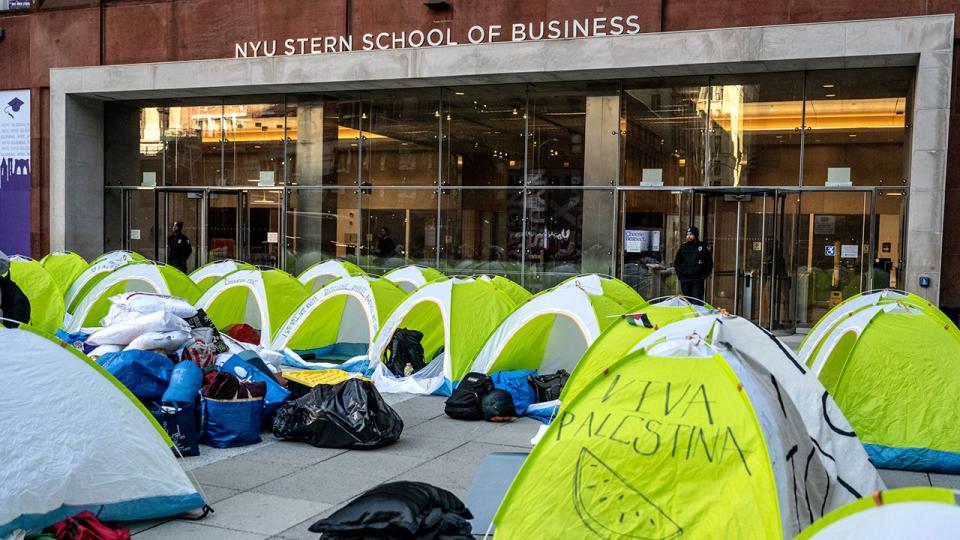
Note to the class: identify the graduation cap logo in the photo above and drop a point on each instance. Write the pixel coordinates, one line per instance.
(14, 104)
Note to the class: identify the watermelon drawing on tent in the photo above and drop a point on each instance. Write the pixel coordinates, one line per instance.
(611, 508)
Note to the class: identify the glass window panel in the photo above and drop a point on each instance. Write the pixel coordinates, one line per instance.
(113, 225)
(254, 144)
(654, 222)
(133, 147)
(481, 231)
(142, 223)
(662, 129)
(398, 227)
(560, 243)
(754, 133)
(856, 127)
(557, 123)
(192, 140)
(185, 207)
(483, 135)
(321, 224)
(262, 227)
(832, 250)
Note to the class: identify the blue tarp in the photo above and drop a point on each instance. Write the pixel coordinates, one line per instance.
(146, 374)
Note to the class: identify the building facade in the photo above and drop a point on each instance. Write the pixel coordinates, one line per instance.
(537, 140)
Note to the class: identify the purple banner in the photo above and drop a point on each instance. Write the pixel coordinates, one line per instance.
(15, 172)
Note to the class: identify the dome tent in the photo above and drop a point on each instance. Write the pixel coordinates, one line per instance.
(645, 448)
(892, 368)
(318, 275)
(455, 316)
(340, 320)
(263, 299)
(814, 338)
(46, 300)
(91, 445)
(915, 512)
(547, 333)
(623, 334)
(64, 267)
(208, 274)
(511, 288)
(410, 278)
(94, 272)
(610, 287)
(132, 277)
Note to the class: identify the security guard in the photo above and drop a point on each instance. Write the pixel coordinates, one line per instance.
(693, 264)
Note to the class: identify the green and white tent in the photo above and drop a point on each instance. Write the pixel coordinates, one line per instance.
(210, 273)
(77, 440)
(64, 267)
(914, 512)
(94, 272)
(607, 286)
(412, 277)
(511, 288)
(338, 321)
(46, 300)
(814, 339)
(549, 332)
(892, 367)
(680, 435)
(625, 332)
(145, 277)
(456, 316)
(263, 299)
(318, 275)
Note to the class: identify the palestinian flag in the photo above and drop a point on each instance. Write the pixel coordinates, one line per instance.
(638, 319)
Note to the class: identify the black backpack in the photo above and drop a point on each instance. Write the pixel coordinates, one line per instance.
(548, 387)
(405, 348)
(465, 402)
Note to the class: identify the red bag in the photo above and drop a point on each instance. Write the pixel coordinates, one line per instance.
(86, 526)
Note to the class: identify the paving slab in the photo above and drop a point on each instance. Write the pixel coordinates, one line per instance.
(895, 479)
(444, 427)
(242, 473)
(301, 531)
(262, 514)
(191, 530)
(292, 452)
(420, 447)
(454, 470)
(341, 477)
(215, 494)
(515, 433)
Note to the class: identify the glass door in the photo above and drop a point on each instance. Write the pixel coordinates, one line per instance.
(142, 234)
(652, 227)
(186, 207)
(750, 234)
(834, 249)
(260, 227)
(222, 227)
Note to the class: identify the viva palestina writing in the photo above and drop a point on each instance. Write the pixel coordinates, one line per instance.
(441, 37)
(667, 420)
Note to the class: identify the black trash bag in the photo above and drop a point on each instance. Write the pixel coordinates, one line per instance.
(351, 414)
(405, 348)
(401, 510)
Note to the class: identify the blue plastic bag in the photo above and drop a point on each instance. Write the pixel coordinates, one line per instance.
(243, 370)
(185, 381)
(146, 374)
(231, 423)
(515, 382)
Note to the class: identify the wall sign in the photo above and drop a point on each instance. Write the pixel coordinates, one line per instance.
(442, 37)
(849, 251)
(15, 171)
(635, 241)
(824, 224)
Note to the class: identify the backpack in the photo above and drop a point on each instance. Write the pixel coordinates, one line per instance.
(404, 348)
(465, 403)
(548, 387)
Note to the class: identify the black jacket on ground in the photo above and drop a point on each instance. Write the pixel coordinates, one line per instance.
(693, 261)
(13, 303)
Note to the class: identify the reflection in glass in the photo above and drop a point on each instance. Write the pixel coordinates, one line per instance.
(481, 232)
(856, 127)
(192, 140)
(399, 132)
(754, 133)
(185, 207)
(321, 224)
(483, 136)
(663, 125)
(399, 227)
(557, 120)
(113, 227)
(253, 138)
(653, 229)
(223, 225)
(262, 227)
(142, 222)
